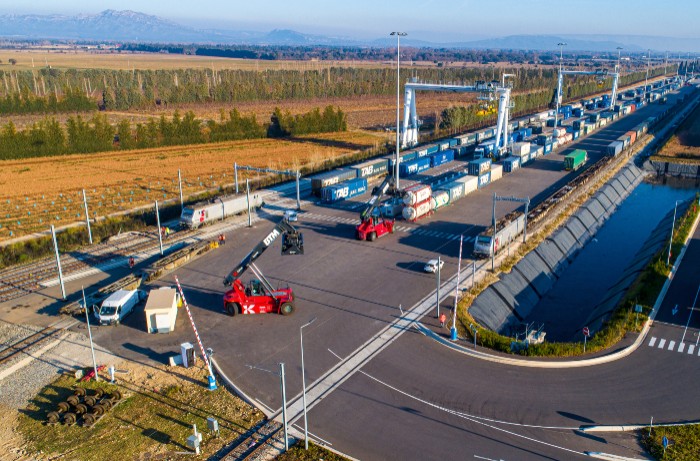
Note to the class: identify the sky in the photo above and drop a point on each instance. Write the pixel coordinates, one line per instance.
(431, 20)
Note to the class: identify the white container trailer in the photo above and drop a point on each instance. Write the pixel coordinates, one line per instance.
(161, 310)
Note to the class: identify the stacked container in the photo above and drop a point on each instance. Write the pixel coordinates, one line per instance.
(414, 166)
(371, 168)
(329, 178)
(479, 166)
(471, 183)
(496, 172)
(420, 210)
(511, 164)
(441, 158)
(416, 194)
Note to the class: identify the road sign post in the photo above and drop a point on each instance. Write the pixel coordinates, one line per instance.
(586, 334)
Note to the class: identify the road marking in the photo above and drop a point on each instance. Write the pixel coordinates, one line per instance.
(671, 345)
(691, 347)
(652, 342)
(662, 343)
(681, 347)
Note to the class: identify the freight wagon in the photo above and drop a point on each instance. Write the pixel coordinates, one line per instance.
(507, 229)
(193, 216)
(344, 190)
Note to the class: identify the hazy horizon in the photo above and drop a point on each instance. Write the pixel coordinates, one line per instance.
(427, 20)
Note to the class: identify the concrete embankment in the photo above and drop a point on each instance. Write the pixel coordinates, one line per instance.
(504, 305)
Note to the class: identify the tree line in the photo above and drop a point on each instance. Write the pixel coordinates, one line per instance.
(72, 89)
(49, 138)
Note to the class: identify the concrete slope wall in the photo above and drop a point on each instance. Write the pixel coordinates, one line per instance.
(503, 305)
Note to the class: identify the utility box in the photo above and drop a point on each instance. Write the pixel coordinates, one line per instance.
(161, 310)
(188, 356)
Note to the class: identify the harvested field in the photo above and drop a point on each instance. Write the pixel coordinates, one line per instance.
(36, 193)
(685, 143)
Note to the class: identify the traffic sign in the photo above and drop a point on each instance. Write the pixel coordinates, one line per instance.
(586, 331)
(638, 308)
(665, 442)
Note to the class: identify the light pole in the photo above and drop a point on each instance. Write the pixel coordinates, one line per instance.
(437, 301)
(453, 330)
(303, 380)
(398, 86)
(670, 243)
(619, 49)
(561, 46)
(92, 347)
(646, 79)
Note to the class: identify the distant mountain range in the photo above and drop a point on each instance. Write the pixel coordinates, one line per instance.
(130, 26)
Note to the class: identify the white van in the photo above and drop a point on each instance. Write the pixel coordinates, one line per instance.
(119, 304)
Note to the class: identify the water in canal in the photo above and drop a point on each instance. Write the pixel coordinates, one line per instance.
(584, 284)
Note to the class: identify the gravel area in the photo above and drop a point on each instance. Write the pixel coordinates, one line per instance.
(72, 353)
(10, 333)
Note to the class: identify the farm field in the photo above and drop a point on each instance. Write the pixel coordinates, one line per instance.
(36, 193)
(685, 143)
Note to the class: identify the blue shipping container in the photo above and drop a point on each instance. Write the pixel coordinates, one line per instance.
(344, 190)
(441, 158)
(415, 166)
(454, 189)
(422, 152)
(433, 148)
(544, 139)
(511, 164)
(517, 136)
(477, 167)
(453, 141)
(484, 179)
(547, 148)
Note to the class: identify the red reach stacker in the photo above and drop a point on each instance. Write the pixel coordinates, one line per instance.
(373, 225)
(259, 296)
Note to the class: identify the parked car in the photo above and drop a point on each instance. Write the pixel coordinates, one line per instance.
(432, 265)
(291, 215)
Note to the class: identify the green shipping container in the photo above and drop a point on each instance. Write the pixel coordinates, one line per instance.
(575, 159)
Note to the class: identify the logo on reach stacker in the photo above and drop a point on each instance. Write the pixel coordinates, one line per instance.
(271, 237)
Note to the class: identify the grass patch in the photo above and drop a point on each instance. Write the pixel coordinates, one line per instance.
(297, 453)
(684, 442)
(155, 417)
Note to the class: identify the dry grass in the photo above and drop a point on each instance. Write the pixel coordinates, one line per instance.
(35, 193)
(685, 143)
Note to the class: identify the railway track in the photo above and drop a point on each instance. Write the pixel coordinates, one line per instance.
(254, 442)
(34, 341)
(18, 281)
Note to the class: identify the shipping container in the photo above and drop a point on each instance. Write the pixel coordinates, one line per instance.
(548, 148)
(454, 189)
(594, 117)
(329, 178)
(477, 167)
(520, 148)
(471, 183)
(453, 142)
(467, 139)
(496, 172)
(344, 190)
(441, 158)
(511, 164)
(439, 199)
(614, 148)
(575, 160)
(558, 132)
(432, 148)
(413, 167)
(536, 151)
(416, 194)
(371, 168)
(525, 158)
(633, 136)
(407, 156)
(422, 152)
(544, 139)
(443, 145)
(420, 210)
(484, 180)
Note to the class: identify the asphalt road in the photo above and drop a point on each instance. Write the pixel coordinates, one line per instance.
(354, 290)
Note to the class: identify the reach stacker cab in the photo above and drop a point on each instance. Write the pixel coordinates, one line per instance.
(374, 225)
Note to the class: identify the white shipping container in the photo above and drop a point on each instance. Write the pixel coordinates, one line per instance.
(471, 183)
(496, 172)
(416, 194)
(559, 132)
(520, 148)
(411, 213)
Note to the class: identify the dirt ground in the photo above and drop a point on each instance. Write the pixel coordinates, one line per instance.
(685, 143)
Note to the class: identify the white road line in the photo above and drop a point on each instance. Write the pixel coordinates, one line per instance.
(652, 342)
(662, 343)
(671, 345)
(681, 347)
(691, 347)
